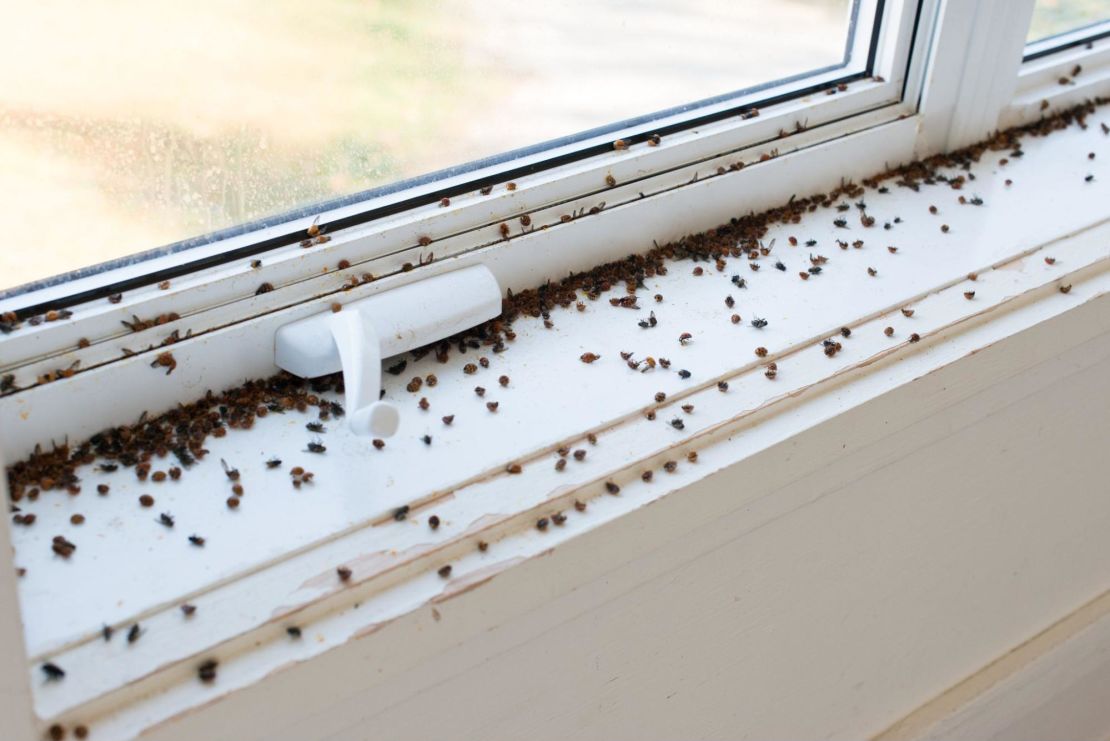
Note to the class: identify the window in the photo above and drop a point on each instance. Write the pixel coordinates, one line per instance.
(214, 118)
(528, 181)
(1057, 17)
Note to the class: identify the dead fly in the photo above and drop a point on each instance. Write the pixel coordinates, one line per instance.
(134, 633)
(678, 424)
(52, 671)
(164, 360)
(166, 519)
(197, 540)
(207, 671)
(780, 266)
(684, 374)
(722, 386)
(427, 439)
(738, 281)
(401, 513)
(188, 610)
(273, 463)
(315, 446)
(842, 223)
(293, 631)
(759, 323)
(106, 632)
(685, 338)
(315, 427)
(649, 322)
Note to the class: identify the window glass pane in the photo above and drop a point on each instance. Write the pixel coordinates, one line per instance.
(1054, 17)
(129, 124)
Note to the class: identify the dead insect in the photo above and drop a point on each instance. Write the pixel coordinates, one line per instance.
(559, 518)
(589, 357)
(447, 420)
(444, 571)
(197, 540)
(969, 295)
(580, 455)
(684, 338)
(315, 446)
(907, 312)
(62, 547)
(433, 522)
(146, 500)
(780, 266)
(503, 380)
(315, 427)
(722, 386)
(480, 390)
(620, 144)
(378, 443)
(444, 202)
(273, 463)
(759, 323)
(134, 633)
(1089, 179)
(483, 546)
(560, 464)
(845, 332)
(872, 272)
(892, 249)
(612, 488)
(738, 281)
(647, 476)
(670, 466)
(889, 331)
(735, 319)
(678, 424)
(427, 439)
(293, 631)
(188, 610)
(684, 374)
(207, 671)
(692, 456)
(688, 408)
(166, 519)
(842, 223)
(232, 473)
(1065, 289)
(1050, 261)
(492, 405)
(343, 573)
(915, 337)
(164, 360)
(423, 403)
(401, 513)
(610, 181)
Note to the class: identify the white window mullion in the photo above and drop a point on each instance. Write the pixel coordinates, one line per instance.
(976, 56)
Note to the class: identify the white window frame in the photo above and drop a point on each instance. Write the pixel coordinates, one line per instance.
(966, 78)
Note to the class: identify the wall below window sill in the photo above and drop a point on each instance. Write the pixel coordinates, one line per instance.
(854, 537)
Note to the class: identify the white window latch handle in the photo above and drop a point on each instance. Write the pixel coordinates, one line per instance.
(356, 338)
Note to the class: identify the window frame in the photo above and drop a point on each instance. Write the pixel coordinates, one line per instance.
(471, 221)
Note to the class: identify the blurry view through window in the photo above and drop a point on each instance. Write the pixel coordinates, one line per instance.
(130, 124)
(1054, 17)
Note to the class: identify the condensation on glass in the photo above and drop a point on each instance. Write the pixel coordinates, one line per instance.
(1055, 17)
(128, 124)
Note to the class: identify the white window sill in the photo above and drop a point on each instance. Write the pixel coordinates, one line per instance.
(272, 563)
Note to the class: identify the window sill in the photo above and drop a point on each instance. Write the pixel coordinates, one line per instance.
(249, 584)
